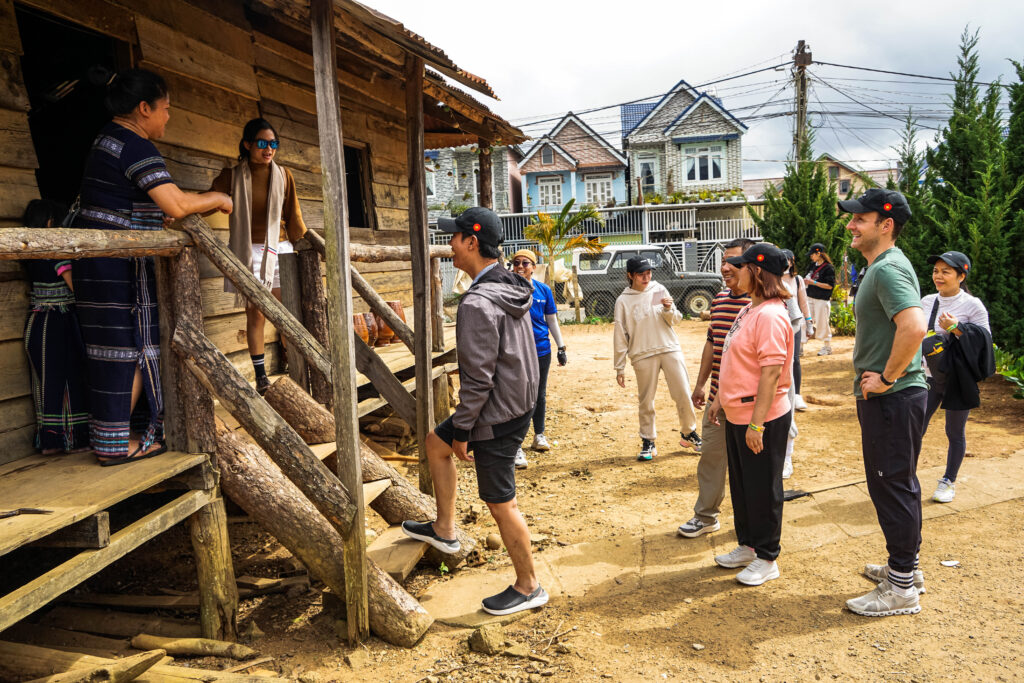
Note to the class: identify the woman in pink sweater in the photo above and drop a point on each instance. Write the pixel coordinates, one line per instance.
(756, 372)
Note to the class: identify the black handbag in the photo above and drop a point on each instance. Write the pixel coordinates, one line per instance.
(72, 213)
(933, 348)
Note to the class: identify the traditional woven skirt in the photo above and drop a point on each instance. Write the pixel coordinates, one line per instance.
(56, 358)
(117, 311)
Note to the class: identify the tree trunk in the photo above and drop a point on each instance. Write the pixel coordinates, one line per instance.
(314, 317)
(198, 647)
(118, 671)
(307, 417)
(252, 480)
(68, 243)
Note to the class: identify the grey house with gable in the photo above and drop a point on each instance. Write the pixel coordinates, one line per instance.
(453, 178)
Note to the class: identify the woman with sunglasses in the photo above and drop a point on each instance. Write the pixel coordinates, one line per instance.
(266, 220)
(544, 316)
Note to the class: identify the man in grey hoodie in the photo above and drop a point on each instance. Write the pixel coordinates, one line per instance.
(499, 376)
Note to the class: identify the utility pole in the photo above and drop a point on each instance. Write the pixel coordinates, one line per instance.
(801, 60)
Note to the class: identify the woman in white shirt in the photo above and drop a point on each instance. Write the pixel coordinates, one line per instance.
(951, 306)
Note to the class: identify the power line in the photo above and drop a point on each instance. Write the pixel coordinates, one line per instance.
(903, 73)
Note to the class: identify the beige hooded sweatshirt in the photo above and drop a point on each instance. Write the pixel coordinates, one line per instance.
(643, 328)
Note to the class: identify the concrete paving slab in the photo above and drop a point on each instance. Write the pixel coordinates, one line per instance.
(614, 562)
(850, 508)
(805, 526)
(1000, 478)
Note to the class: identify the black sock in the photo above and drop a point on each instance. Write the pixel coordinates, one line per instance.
(258, 365)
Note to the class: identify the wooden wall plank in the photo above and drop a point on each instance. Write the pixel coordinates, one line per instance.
(390, 196)
(272, 87)
(13, 309)
(10, 39)
(14, 380)
(16, 147)
(200, 132)
(98, 15)
(392, 219)
(19, 188)
(176, 51)
(17, 443)
(192, 170)
(227, 332)
(16, 413)
(270, 61)
(307, 185)
(13, 94)
(203, 98)
(201, 25)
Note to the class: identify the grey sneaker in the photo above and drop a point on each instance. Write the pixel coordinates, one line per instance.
(740, 556)
(825, 351)
(695, 527)
(540, 443)
(944, 492)
(757, 572)
(424, 531)
(883, 601)
(521, 463)
(880, 572)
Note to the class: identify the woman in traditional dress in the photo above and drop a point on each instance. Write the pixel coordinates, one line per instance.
(266, 222)
(126, 186)
(54, 346)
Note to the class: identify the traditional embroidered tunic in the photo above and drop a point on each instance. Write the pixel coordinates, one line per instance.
(117, 296)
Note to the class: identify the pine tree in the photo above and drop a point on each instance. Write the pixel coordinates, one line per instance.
(1014, 143)
(804, 212)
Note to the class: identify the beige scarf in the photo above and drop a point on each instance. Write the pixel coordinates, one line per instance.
(240, 221)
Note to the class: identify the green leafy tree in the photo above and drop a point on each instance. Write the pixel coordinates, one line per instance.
(562, 233)
(804, 211)
(1014, 143)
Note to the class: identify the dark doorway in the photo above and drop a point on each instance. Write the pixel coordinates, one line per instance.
(66, 68)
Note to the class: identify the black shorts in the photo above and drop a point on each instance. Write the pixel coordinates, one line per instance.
(495, 461)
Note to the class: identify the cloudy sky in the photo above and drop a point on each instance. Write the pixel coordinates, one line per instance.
(546, 57)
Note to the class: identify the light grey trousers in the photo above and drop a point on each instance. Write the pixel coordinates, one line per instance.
(647, 371)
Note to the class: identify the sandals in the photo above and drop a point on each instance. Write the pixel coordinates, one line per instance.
(137, 454)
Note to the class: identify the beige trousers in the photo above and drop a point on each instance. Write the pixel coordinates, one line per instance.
(820, 311)
(647, 371)
(711, 469)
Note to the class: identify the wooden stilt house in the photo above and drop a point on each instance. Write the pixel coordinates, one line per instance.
(383, 95)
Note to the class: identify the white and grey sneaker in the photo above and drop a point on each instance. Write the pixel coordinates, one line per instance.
(944, 492)
(740, 556)
(510, 601)
(424, 531)
(787, 467)
(799, 404)
(695, 527)
(759, 571)
(880, 572)
(540, 443)
(521, 463)
(884, 601)
(825, 351)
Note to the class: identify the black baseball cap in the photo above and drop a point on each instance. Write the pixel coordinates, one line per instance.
(888, 204)
(638, 264)
(478, 221)
(816, 248)
(788, 254)
(767, 256)
(958, 261)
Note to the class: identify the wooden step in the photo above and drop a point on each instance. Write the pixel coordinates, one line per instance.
(396, 553)
(372, 489)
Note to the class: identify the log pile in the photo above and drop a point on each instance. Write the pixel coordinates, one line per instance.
(387, 430)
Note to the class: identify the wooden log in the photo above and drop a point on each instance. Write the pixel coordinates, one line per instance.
(193, 647)
(218, 593)
(256, 293)
(64, 639)
(121, 624)
(291, 297)
(377, 304)
(486, 174)
(307, 417)
(436, 306)
(119, 671)
(174, 411)
(314, 317)
(252, 480)
(91, 532)
(268, 428)
(377, 253)
(68, 243)
(196, 404)
(442, 401)
(384, 381)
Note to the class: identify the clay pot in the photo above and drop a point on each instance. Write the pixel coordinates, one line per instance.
(385, 334)
(359, 325)
(396, 306)
(371, 328)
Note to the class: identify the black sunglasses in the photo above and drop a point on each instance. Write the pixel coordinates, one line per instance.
(263, 144)
(522, 262)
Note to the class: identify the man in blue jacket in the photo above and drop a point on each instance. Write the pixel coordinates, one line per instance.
(499, 376)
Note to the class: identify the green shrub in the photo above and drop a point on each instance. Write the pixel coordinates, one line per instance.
(1012, 368)
(842, 320)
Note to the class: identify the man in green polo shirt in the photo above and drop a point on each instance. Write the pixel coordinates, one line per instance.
(891, 397)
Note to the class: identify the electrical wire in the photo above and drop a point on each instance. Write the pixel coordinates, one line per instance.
(903, 73)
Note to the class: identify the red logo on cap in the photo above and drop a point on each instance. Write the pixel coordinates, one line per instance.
(760, 257)
(887, 206)
(966, 267)
(476, 227)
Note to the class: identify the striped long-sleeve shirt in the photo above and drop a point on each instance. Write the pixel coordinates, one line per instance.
(724, 309)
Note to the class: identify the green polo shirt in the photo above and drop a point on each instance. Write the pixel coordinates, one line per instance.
(889, 286)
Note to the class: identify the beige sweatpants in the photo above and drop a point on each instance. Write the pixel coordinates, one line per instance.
(820, 311)
(647, 371)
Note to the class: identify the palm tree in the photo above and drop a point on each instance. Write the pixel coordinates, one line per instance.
(563, 233)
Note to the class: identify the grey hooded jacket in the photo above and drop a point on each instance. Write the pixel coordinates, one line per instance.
(498, 369)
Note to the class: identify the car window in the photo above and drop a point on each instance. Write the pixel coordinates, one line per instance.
(590, 262)
(621, 258)
(655, 257)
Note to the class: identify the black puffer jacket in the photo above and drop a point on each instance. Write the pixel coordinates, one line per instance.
(969, 359)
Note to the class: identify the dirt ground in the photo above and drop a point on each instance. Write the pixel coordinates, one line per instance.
(590, 489)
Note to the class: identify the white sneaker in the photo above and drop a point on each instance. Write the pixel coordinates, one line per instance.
(787, 467)
(540, 443)
(825, 351)
(740, 556)
(884, 601)
(944, 492)
(880, 572)
(799, 404)
(521, 463)
(758, 572)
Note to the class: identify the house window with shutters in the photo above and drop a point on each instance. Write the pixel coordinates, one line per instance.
(597, 189)
(549, 189)
(648, 171)
(844, 186)
(704, 164)
(547, 156)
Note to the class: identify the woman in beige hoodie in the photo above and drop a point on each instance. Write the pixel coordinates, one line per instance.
(644, 316)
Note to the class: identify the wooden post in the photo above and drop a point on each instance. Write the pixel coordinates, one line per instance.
(486, 198)
(291, 297)
(196, 402)
(437, 304)
(174, 433)
(339, 306)
(576, 292)
(314, 317)
(218, 592)
(420, 248)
